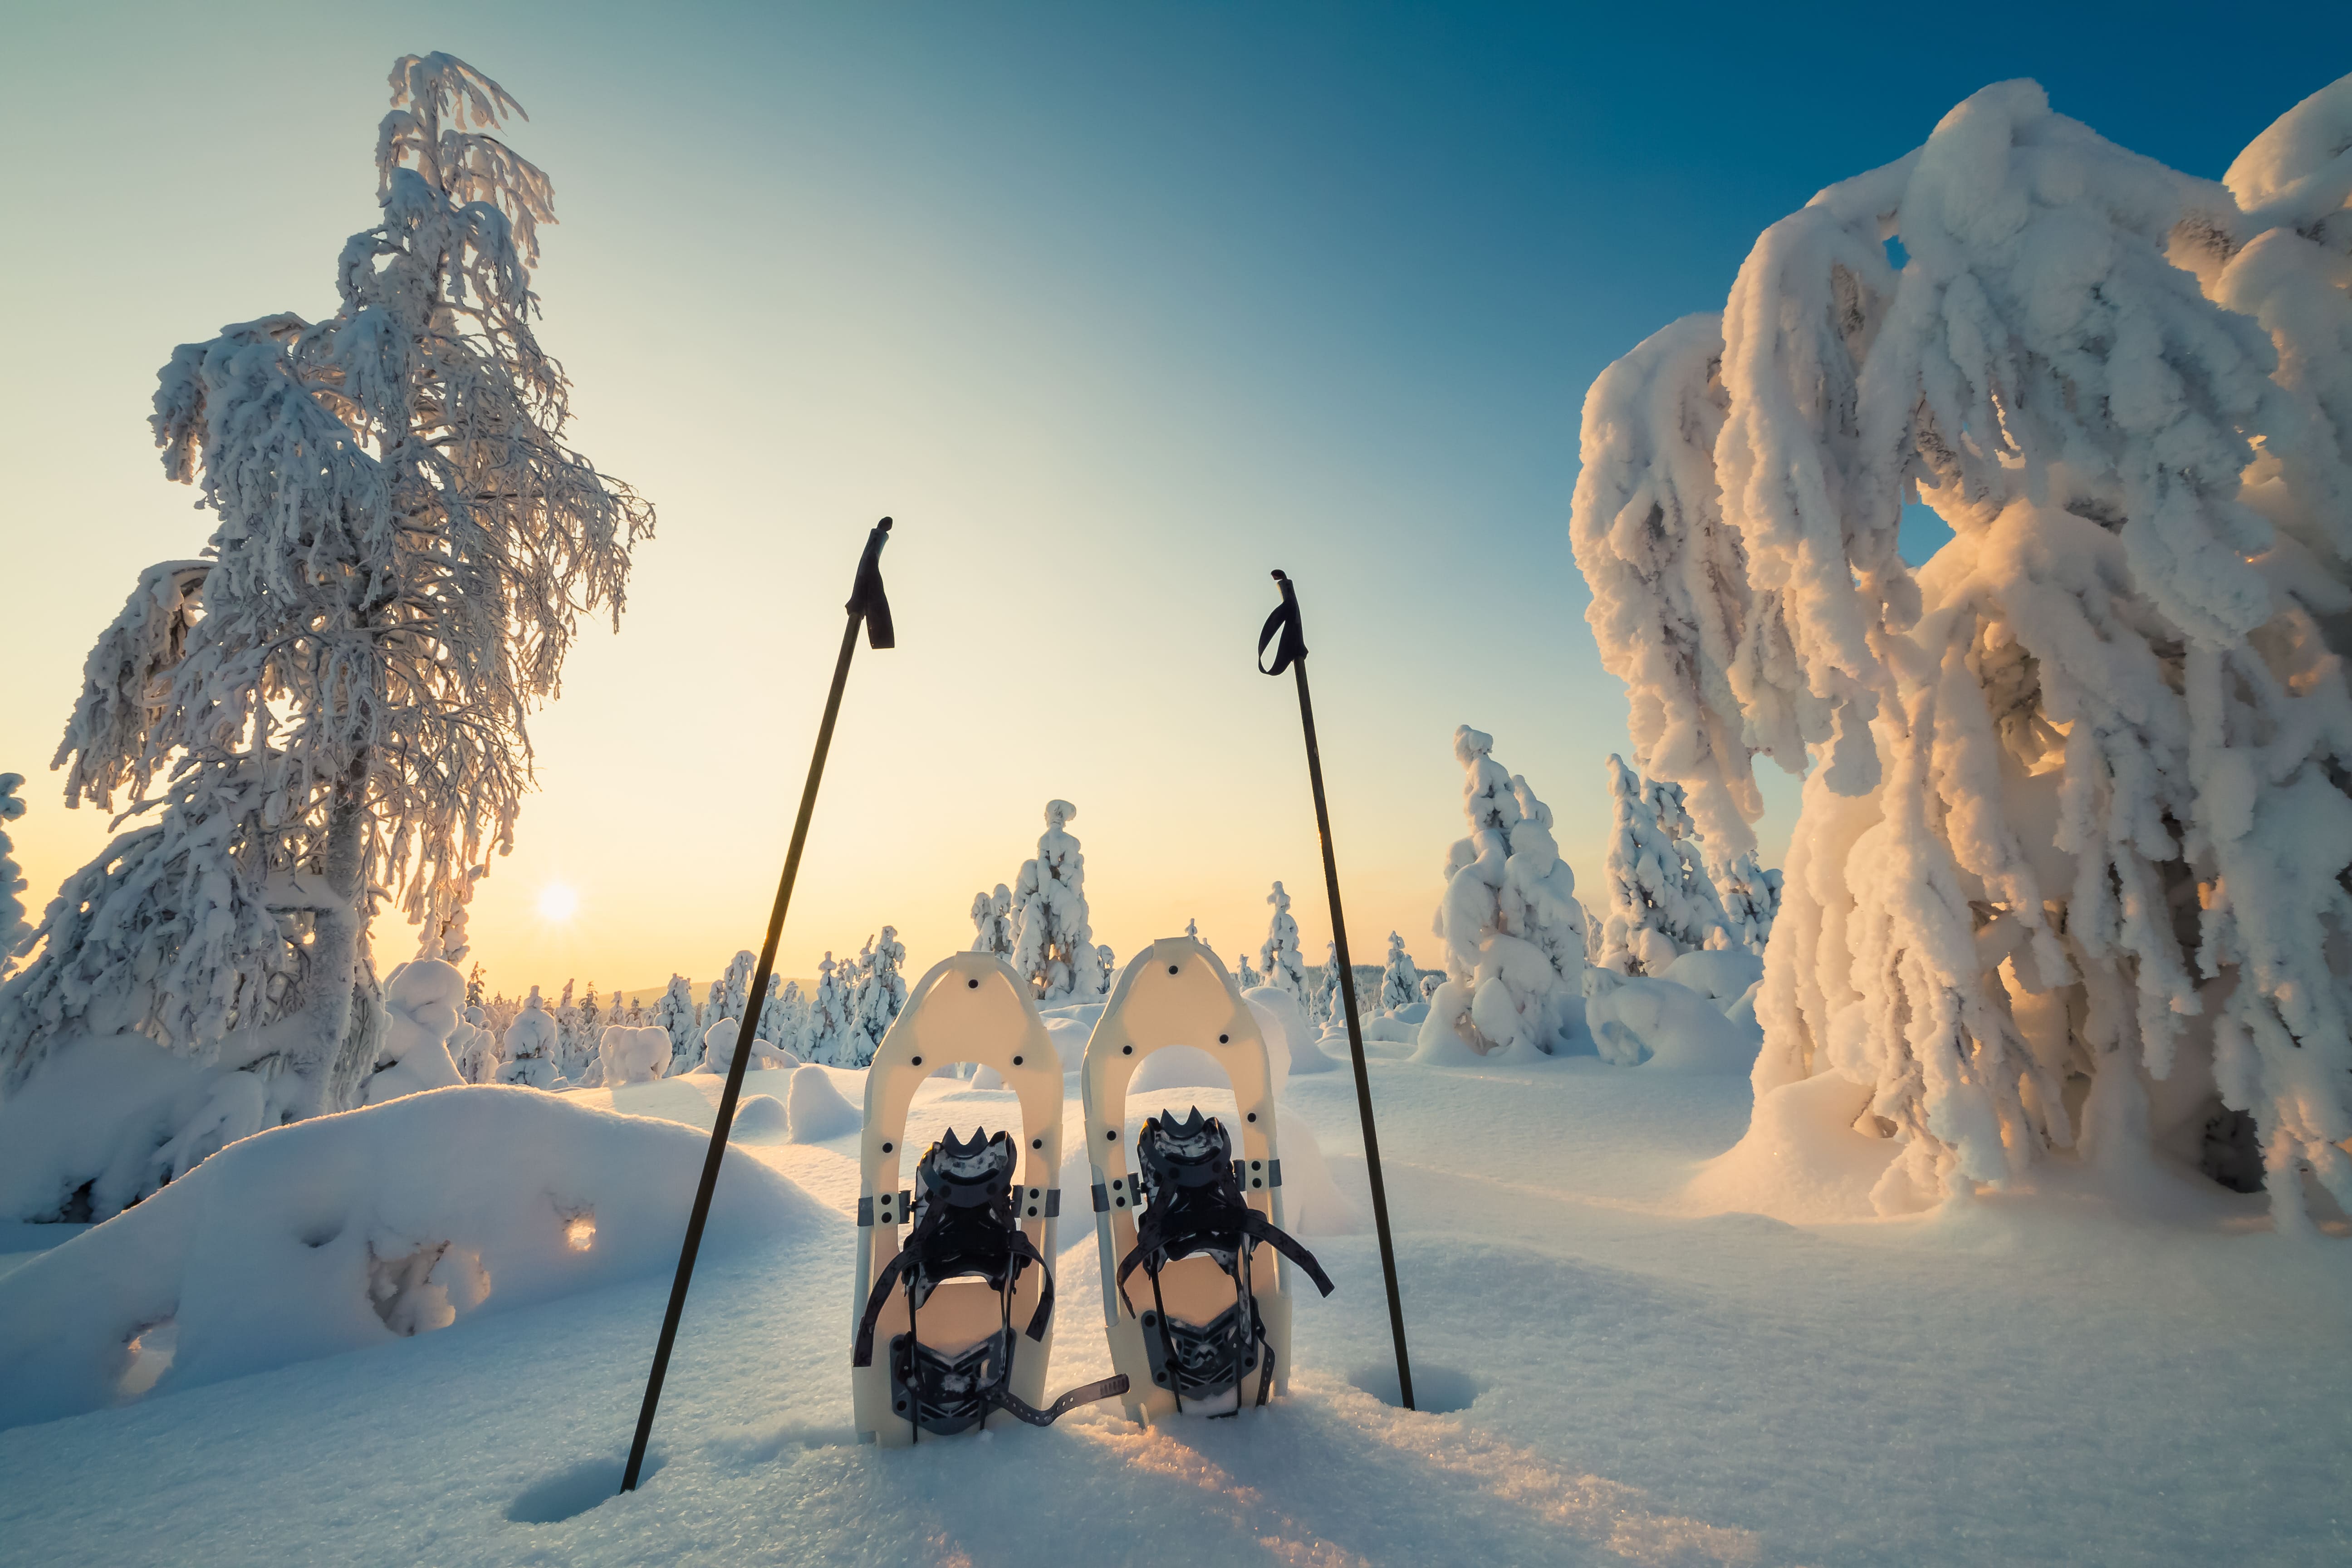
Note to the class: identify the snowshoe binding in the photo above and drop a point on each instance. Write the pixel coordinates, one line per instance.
(1214, 1331)
(1193, 1207)
(952, 1316)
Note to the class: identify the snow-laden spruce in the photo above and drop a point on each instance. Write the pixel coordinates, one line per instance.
(530, 1046)
(783, 1017)
(881, 994)
(1400, 981)
(1661, 904)
(16, 932)
(422, 1003)
(2070, 875)
(1513, 929)
(1285, 966)
(329, 708)
(1751, 897)
(1053, 945)
(992, 923)
(730, 994)
(830, 1013)
(674, 1015)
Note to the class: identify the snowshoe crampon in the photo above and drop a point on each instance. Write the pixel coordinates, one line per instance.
(953, 1311)
(1190, 1233)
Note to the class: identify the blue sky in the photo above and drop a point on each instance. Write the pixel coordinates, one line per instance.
(1114, 306)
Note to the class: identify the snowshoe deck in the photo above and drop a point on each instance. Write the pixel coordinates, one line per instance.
(952, 1313)
(1188, 1229)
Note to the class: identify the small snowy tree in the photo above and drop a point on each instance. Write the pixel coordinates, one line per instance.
(1328, 1005)
(730, 994)
(530, 1046)
(881, 993)
(331, 705)
(1513, 929)
(992, 923)
(1400, 981)
(1105, 969)
(1246, 977)
(1751, 897)
(1285, 966)
(675, 1014)
(1053, 945)
(474, 987)
(830, 1009)
(2069, 871)
(1661, 904)
(784, 1021)
(15, 933)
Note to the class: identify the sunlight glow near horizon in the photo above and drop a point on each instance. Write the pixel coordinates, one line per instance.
(558, 901)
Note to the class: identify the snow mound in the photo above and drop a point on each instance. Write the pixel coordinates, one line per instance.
(1070, 1038)
(1801, 1159)
(1283, 1024)
(424, 1003)
(633, 1053)
(1723, 977)
(816, 1110)
(68, 1136)
(348, 1231)
(1668, 1027)
(759, 1119)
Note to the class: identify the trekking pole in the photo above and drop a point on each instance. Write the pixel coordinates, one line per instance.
(1290, 654)
(866, 605)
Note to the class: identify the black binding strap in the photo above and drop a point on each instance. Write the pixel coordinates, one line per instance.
(1150, 1241)
(1086, 1394)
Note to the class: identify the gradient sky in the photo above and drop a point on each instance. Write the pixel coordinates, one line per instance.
(1113, 307)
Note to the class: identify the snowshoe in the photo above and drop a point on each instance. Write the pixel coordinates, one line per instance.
(954, 1297)
(1213, 1332)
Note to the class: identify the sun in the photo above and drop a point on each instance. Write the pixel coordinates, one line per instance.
(558, 901)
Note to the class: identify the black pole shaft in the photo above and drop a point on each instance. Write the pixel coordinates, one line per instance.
(745, 1032)
(1355, 1040)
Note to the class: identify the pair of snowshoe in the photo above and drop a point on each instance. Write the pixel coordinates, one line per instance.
(954, 1292)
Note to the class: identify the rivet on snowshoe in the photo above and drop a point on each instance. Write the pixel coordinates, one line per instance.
(915, 1061)
(1171, 969)
(1224, 1040)
(971, 984)
(1016, 1061)
(1127, 1050)
(885, 1148)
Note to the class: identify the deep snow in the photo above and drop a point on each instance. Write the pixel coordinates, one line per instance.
(2033, 1379)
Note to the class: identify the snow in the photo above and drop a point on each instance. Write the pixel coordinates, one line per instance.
(339, 1233)
(422, 1003)
(816, 1111)
(1665, 1027)
(1052, 944)
(1633, 1375)
(633, 1053)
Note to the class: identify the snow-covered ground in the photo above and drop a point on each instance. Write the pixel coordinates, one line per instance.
(1614, 1376)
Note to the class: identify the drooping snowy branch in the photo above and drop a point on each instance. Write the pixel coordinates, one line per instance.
(2095, 824)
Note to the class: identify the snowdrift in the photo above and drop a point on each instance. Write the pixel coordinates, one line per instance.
(353, 1230)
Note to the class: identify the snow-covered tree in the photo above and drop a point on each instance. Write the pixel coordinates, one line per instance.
(1105, 969)
(1513, 929)
(530, 1046)
(830, 1009)
(730, 994)
(15, 933)
(881, 993)
(784, 1016)
(1327, 1002)
(1285, 966)
(675, 1013)
(1246, 977)
(474, 1046)
(992, 923)
(1751, 897)
(592, 1014)
(1400, 981)
(329, 706)
(2070, 873)
(1661, 904)
(474, 987)
(1053, 945)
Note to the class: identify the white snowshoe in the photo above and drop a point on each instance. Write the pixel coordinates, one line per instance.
(952, 1321)
(1216, 1319)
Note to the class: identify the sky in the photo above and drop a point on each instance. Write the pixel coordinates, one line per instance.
(1114, 309)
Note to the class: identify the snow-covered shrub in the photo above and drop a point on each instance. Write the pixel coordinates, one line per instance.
(1513, 931)
(992, 923)
(1105, 969)
(1286, 965)
(334, 1235)
(1661, 904)
(530, 1046)
(674, 1015)
(1751, 897)
(730, 994)
(1245, 977)
(331, 705)
(474, 1048)
(420, 1003)
(632, 1053)
(1400, 981)
(719, 1043)
(1053, 945)
(2070, 873)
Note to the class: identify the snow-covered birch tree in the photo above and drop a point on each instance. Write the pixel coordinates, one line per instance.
(329, 707)
(2070, 870)
(1052, 944)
